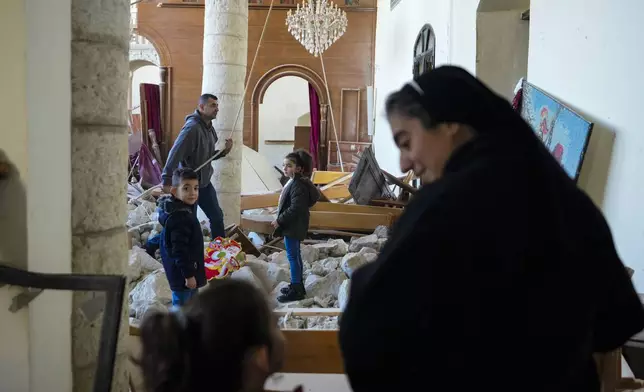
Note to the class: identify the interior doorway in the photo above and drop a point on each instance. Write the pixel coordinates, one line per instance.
(502, 41)
(289, 118)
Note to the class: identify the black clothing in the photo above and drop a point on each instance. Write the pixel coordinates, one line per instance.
(509, 271)
(182, 250)
(293, 214)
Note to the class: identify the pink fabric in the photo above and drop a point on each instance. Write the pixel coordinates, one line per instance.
(149, 170)
(314, 139)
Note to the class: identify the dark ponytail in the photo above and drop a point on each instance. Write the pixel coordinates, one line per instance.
(302, 159)
(188, 350)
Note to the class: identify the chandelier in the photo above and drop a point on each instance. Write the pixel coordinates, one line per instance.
(317, 24)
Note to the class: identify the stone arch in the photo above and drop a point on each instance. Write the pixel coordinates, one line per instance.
(163, 52)
(141, 58)
(272, 75)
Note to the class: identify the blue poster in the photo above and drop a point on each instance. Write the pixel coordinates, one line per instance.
(564, 133)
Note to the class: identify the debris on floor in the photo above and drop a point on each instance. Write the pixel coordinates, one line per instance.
(346, 232)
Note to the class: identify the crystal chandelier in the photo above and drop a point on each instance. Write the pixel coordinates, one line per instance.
(317, 24)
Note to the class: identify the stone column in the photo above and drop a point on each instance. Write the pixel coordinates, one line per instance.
(99, 73)
(225, 52)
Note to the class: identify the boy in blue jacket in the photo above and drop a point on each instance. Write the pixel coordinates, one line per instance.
(181, 241)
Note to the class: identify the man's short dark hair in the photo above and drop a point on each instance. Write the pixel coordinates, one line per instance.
(182, 174)
(205, 97)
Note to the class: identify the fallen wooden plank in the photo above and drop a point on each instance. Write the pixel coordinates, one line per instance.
(325, 177)
(306, 351)
(259, 200)
(338, 233)
(267, 200)
(355, 208)
(323, 220)
(342, 180)
(387, 203)
(309, 351)
(308, 312)
(349, 221)
(337, 192)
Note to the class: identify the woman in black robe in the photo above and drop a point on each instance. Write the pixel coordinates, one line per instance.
(501, 274)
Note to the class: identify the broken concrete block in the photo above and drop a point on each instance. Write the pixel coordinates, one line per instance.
(369, 241)
(321, 286)
(381, 231)
(351, 262)
(309, 253)
(154, 287)
(246, 273)
(343, 294)
(141, 264)
(341, 248)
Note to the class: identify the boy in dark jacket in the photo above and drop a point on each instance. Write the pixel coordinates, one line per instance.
(293, 215)
(181, 240)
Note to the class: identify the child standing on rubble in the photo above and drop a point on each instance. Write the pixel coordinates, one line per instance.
(181, 241)
(298, 196)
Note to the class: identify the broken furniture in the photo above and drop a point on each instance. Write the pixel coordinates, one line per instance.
(369, 182)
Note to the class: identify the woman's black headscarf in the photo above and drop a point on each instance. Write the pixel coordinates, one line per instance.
(502, 274)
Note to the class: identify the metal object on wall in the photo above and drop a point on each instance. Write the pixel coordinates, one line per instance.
(109, 287)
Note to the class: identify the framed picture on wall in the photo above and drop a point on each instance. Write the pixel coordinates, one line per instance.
(564, 132)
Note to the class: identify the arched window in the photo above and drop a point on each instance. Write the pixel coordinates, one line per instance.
(424, 49)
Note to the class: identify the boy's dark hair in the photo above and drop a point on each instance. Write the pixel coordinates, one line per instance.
(215, 330)
(302, 159)
(182, 174)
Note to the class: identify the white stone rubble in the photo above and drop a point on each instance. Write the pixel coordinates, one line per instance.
(328, 267)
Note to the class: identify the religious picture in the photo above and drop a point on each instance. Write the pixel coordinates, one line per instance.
(564, 133)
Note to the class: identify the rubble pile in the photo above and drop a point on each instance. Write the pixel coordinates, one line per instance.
(328, 267)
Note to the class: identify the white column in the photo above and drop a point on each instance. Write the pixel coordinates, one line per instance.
(225, 52)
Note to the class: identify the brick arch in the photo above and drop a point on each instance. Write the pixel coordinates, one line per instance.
(147, 31)
(271, 76)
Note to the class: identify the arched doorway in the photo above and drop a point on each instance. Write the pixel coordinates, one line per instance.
(300, 72)
(284, 119)
(424, 51)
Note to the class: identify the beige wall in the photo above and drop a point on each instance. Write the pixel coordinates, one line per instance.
(502, 40)
(35, 228)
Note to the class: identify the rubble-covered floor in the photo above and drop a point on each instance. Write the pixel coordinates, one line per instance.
(328, 267)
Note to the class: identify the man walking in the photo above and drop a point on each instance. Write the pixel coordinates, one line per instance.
(195, 144)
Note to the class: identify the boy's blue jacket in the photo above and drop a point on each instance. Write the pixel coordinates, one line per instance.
(181, 243)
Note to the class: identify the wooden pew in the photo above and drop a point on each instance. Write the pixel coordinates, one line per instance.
(306, 351)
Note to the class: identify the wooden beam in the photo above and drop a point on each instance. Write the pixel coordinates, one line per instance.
(310, 351)
(322, 177)
(323, 220)
(342, 180)
(356, 209)
(306, 351)
(349, 221)
(266, 200)
(259, 200)
(336, 192)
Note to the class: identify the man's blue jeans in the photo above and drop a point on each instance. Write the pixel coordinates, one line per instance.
(210, 206)
(294, 259)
